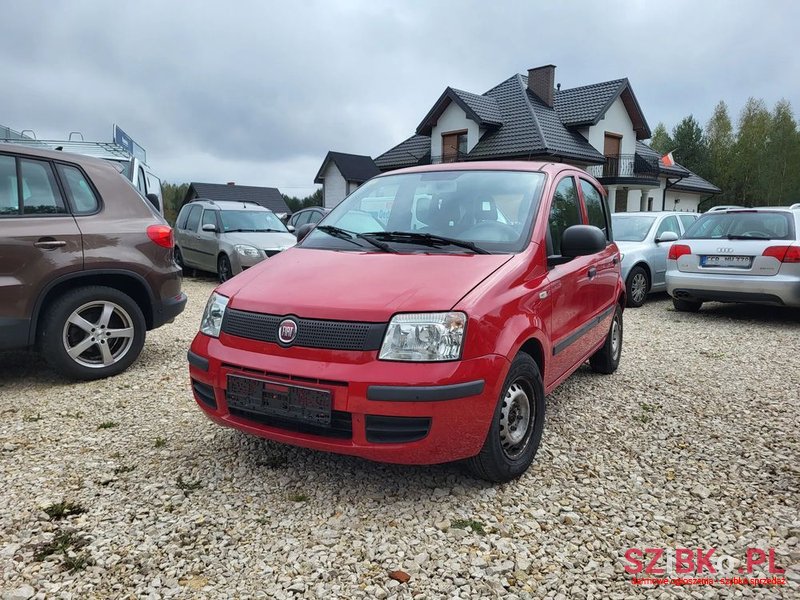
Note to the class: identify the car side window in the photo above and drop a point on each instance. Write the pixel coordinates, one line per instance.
(302, 218)
(564, 212)
(194, 218)
(81, 196)
(315, 217)
(668, 224)
(40, 193)
(210, 217)
(687, 220)
(595, 207)
(182, 217)
(141, 182)
(9, 196)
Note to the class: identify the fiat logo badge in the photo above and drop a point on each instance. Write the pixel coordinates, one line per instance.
(287, 331)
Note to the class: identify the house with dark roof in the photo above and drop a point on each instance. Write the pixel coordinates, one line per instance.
(342, 173)
(268, 197)
(600, 127)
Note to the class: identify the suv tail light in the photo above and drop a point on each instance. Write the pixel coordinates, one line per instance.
(161, 235)
(678, 250)
(785, 254)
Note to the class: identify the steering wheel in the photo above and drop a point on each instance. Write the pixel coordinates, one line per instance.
(490, 231)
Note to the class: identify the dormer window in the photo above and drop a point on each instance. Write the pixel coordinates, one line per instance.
(454, 146)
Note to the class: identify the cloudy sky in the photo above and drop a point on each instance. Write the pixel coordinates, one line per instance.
(257, 92)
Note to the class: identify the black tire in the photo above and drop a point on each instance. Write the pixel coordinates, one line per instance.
(686, 305)
(500, 460)
(606, 359)
(224, 269)
(104, 354)
(637, 287)
(179, 259)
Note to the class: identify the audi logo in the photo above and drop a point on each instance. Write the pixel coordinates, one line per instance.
(725, 250)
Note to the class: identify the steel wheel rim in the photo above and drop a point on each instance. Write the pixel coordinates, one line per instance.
(517, 415)
(616, 337)
(638, 287)
(98, 334)
(224, 269)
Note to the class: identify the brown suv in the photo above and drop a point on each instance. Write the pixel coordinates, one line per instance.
(86, 264)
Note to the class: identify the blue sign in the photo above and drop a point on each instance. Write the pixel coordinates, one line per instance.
(123, 139)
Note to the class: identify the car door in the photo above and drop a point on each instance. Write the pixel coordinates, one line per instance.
(191, 255)
(39, 241)
(606, 265)
(208, 241)
(661, 249)
(570, 283)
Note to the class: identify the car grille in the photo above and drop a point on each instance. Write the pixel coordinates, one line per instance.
(311, 333)
(271, 252)
(341, 426)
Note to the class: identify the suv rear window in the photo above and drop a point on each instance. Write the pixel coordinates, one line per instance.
(80, 193)
(742, 225)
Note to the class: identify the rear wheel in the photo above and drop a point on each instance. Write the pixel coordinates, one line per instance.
(686, 305)
(92, 332)
(516, 428)
(638, 285)
(606, 359)
(224, 269)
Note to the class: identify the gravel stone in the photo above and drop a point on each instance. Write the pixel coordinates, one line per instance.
(692, 443)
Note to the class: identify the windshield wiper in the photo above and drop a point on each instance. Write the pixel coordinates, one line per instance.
(350, 236)
(426, 239)
(747, 237)
(240, 230)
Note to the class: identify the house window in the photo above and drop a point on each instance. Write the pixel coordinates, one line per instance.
(454, 146)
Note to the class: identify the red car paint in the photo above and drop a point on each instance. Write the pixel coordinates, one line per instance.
(510, 300)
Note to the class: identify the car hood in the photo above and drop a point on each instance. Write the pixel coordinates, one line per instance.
(264, 240)
(358, 286)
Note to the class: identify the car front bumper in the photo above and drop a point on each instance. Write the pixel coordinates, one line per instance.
(714, 287)
(406, 413)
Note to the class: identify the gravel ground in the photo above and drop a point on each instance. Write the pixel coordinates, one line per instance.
(693, 442)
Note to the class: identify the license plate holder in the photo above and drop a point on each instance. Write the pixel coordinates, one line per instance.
(274, 399)
(732, 262)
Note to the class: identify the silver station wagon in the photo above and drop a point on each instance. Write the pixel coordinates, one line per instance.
(749, 255)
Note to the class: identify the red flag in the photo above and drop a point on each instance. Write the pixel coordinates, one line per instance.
(667, 160)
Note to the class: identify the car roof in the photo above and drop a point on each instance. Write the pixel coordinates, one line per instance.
(229, 205)
(489, 165)
(53, 154)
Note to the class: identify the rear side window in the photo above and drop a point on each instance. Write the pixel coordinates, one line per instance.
(40, 195)
(80, 193)
(194, 218)
(9, 198)
(564, 212)
(742, 226)
(595, 207)
(182, 216)
(687, 220)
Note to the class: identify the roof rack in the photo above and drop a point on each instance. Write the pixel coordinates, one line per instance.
(107, 150)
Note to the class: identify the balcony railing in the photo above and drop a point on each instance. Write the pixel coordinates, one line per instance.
(625, 165)
(449, 158)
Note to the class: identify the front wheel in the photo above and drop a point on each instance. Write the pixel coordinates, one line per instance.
(224, 269)
(517, 424)
(92, 332)
(637, 285)
(606, 359)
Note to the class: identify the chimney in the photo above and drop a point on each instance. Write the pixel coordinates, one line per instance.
(541, 81)
(231, 183)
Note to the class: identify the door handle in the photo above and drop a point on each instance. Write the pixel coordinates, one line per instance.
(49, 244)
(592, 273)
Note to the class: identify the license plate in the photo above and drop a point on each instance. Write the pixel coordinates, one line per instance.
(279, 400)
(738, 262)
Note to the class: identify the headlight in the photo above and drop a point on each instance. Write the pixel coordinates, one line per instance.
(246, 250)
(424, 337)
(212, 316)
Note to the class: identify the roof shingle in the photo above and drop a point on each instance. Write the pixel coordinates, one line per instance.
(408, 153)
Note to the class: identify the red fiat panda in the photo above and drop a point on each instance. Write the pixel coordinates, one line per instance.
(423, 320)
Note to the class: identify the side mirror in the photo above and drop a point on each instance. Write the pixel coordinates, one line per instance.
(290, 228)
(667, 236)
(154, 201)
(304, 230)
(582, 240)
(210, 227)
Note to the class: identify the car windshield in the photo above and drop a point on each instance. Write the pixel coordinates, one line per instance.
(251, 220)
(435, 211)
(631, 228)
(742, 225)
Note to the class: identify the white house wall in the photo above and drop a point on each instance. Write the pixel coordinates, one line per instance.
(687, 201)
(453, 119)
(616, 120)
(334, 187)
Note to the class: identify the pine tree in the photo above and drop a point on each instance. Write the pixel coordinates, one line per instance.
(660, 141)
(749, 153)
(779, 176)
(720, 140)
(691, 150)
